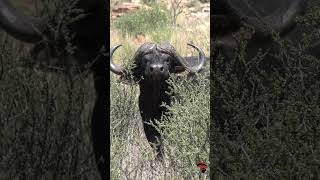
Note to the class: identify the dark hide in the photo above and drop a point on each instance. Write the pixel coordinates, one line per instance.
(153, 92)
(152, 96)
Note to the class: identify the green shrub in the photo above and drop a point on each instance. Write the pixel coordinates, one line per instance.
(186, 128)
(149, 2)
(161, 35)
(143, 21)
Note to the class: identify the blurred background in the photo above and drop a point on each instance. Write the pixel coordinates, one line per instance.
(45, 116)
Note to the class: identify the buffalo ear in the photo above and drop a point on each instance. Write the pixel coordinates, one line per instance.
(132, 76)
(179, 69)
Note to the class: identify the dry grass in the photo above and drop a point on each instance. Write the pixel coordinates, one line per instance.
(194, 31)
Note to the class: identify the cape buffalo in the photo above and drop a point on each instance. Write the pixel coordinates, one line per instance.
(89, 36)
(153, 63)
(260, 24)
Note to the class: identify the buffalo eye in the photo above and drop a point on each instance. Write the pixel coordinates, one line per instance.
(144, 61)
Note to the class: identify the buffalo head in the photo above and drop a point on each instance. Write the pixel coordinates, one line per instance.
(156, 62)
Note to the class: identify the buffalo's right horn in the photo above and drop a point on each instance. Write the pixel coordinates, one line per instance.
(113, 67)
(19, 25)
(201, 60)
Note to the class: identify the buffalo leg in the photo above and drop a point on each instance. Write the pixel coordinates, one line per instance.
(154, 137)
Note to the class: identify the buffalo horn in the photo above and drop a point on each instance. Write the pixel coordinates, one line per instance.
(19, 25)
(113, 67)
(201, 60)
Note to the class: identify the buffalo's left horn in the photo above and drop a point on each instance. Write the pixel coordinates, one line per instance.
(201, 60)
(113, 67)
(19, 25)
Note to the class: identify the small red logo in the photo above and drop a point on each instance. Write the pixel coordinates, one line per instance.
(202, 166)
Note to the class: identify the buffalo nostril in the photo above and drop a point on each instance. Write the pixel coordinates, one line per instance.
(161, 69)
(151, 69)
